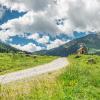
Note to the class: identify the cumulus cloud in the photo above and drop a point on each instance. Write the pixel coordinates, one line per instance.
(14, 5)
(55, 43)
(34, 36)
(52, 17)
(84, 15)
(44, 40)
(2, 12)
(29, 23)
(30, 47)
(79, 15)
(25, 5)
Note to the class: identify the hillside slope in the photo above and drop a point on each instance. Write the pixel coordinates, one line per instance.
(91, 41)
(4, 48)
(79, 81)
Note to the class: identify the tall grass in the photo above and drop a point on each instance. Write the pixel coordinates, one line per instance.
(12, 62)
(79, 81)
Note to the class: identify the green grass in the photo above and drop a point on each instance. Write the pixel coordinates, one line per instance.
(12, 62)
(79, 81)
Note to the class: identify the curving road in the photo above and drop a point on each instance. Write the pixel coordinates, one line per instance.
(52, 66)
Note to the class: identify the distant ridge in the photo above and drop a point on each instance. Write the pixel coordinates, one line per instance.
(5, 48)
(92, 42)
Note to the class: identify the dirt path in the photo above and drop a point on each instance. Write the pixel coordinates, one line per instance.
(54, 65)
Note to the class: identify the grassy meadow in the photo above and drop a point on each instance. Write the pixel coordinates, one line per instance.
(12, 62)
(79, 81)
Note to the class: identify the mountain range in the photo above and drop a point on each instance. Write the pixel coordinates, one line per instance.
(5, 48)
(91, 41)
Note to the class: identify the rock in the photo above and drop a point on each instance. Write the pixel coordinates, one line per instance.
(77, 56)
(91, 61)
(35, 56)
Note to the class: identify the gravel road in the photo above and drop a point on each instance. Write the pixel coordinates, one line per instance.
(38, 70)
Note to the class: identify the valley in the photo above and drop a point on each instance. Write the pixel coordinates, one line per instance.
(79, 81)
(10, 62)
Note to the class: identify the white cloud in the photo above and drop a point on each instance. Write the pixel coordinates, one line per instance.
(80, 15)
(41, 16)
(55, 43)
(34, 36)
(14, 5)
(84, 15)
(25, 5)
(30, 47)
(29, 23)
(44, 40)
(2, 12)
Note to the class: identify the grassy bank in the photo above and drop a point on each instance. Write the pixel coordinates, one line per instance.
(12, 62)
(79, 81)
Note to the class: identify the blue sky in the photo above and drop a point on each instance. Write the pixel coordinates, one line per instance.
(45, 24)
(8, 15)
(22, 40)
